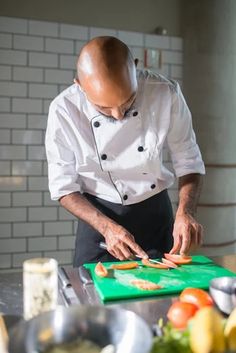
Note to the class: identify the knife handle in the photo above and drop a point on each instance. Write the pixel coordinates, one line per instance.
(103, 245)
(85, 275)
(63, 277)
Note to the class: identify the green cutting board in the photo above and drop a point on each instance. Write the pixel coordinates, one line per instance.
(117, 286)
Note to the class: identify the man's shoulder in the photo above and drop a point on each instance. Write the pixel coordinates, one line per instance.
(71, 95)
(149, 77)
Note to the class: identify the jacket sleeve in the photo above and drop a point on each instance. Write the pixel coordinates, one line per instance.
(185, 154)
(62, 176)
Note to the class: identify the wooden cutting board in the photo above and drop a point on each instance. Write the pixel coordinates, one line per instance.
(117, 286)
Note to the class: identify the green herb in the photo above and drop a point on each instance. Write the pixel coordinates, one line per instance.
(171, 340)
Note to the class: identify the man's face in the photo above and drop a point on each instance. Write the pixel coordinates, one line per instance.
(117, 112)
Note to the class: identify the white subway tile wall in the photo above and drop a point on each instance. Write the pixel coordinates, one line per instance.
(37, 61)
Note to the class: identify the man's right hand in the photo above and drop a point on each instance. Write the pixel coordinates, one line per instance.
(121, 244)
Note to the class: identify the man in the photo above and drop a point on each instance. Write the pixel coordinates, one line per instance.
(104, 146)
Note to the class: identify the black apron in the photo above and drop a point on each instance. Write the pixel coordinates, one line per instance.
(149, 221)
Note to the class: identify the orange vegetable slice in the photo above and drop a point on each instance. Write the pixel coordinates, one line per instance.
(145, 285)
(196, 296)
(169, 263)
(101, 270)
(178, 259)
(147, 263)
(126, 266)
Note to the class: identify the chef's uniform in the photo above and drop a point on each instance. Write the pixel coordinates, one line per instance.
(118, 164)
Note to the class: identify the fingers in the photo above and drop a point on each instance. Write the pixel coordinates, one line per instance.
(136, 249)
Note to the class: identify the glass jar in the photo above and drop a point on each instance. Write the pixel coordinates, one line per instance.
(40, 286)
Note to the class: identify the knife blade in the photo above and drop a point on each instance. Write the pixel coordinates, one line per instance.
(103, 245)
(88, 285)
(66, 290)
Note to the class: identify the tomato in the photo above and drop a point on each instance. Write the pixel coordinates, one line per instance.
(196, 296)
(148, 263)
(179, 313)
(178, 259)
(126, 266)
(101, 270)
(169, 263)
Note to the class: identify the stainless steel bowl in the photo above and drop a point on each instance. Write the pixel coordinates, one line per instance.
(124, 329)
(223, 292)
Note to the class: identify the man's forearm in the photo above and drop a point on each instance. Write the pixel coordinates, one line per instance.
(80, 207)
(189, 191)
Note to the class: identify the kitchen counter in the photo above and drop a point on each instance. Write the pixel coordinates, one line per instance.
(151, 309)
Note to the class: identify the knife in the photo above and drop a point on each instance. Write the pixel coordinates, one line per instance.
(66, 290)
(103, 245)
(88, 284)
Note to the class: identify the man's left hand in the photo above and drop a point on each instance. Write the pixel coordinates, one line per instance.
(187, 234)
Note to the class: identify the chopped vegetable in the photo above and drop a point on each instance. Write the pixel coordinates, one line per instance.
(179, 313)
(147, 263)
(178, 259)
(196, 296)
(145, 285)
(126, 266)
(169, 263)
(101, 270)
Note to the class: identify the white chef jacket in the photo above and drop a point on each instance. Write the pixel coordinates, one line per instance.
(120, 160)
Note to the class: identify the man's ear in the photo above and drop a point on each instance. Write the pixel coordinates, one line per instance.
(76, 81)
(136, 62)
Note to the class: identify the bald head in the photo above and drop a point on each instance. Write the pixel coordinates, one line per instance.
(107, 73)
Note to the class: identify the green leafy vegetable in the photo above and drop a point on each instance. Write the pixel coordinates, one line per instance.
(171, 341)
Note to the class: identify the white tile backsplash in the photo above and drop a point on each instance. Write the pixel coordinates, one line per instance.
(43, 59)
(158, 42)
(5, 136)
(4, 104)
(58, 228)
(12, 120)
(27, 229)
(59, 76)
(26, 168)
(5, 168)
(28, 42)
(43, 28)
(12, 152)
(26, 198)
(5, 230)
(27, 74)
(15, 214)
(59, 46)
(13, 89)
(5, 72)
(42, 244)
(11, 57)
(27, 105)
(13, 25)
(74, 32)
(42, 90)
(37, 61)
(27, 137)
(131, 38)
(5, 199)
(42, 213)
(5, 40)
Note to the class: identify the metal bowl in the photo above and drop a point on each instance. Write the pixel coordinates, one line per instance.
(223, 292)
(103, 326)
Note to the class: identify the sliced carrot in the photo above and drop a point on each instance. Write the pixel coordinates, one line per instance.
(147, 263)
(126, 266)
(169, 263)
(145, 285)
(178, 259)
(101, 270)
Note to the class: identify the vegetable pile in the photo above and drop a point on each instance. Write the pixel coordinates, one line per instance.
(196, 326)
